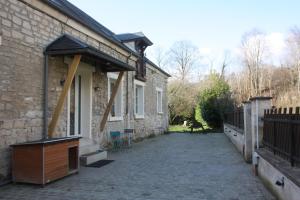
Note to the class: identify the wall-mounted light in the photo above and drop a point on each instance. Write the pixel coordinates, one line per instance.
(62, 81)
(280, 182)
(97, 88)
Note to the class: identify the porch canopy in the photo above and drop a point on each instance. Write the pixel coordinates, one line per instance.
(68, 45)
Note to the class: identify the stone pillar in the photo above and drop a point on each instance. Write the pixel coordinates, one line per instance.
(247, 132)
(258, 105)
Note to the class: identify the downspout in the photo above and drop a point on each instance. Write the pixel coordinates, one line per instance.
(127, 101)
(45, 108)
(127, 126)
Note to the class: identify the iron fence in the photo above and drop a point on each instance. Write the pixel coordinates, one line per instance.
(235, 118)
(281, 133)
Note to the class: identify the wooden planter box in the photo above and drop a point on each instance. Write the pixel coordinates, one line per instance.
(43, 161)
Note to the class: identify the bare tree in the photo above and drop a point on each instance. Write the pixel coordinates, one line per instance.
(183, 56)
(160, 57)
(226, 61)
(182, 99)
(254, 50)
(293, 45)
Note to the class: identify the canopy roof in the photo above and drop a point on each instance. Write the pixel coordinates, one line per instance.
(68, 45)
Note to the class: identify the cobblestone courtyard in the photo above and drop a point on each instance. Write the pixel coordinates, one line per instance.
(175, 166)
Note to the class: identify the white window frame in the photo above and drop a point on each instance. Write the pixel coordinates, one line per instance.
(159, 110)
(114, 76)
(142, 84)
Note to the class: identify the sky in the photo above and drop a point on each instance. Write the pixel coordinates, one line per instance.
(214, 26)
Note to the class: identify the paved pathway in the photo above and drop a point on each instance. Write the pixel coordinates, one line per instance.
(175, 166)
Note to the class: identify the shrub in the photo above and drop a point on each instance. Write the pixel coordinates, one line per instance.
(215, 101)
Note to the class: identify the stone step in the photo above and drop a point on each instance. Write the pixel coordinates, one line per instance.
(89, 158)
(88, 148)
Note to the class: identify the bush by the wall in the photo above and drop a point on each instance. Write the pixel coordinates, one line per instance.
(215, 101)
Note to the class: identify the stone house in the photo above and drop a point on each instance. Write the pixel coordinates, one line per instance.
(39, 40)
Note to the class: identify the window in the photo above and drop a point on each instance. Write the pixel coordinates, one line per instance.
(159, 100)
(139, 99)
(116, 109)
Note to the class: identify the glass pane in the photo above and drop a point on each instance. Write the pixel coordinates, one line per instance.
(139, 100)
(159, 101)
(118, 102)
(136, 100)
(79, 104)
(72, 108)
(113, 108)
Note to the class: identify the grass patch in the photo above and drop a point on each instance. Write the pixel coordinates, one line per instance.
(182, 129)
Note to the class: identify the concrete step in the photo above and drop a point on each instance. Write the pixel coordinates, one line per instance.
(88, 148)
(89, 158)
(86, 145)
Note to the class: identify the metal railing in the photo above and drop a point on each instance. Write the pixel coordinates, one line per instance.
(281, 133)
(235, 118)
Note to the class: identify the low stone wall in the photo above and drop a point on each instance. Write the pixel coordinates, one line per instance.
(236, 136)
(269, 174)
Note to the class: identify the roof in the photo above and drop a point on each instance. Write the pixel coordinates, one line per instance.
(157, 67)
(78, 15)
(126, 37)
(68, 45)
(47, 141)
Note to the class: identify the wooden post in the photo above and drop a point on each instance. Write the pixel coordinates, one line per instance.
(111, 100)
(71, 73)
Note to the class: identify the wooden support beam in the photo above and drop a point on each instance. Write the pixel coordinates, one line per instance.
(60, 104)
(111, 100)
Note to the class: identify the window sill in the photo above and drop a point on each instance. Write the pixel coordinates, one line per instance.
(139, 117)
(114, 119)
(140, 78)
(160, 113)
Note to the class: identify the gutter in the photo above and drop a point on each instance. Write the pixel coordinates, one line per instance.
(109, 38)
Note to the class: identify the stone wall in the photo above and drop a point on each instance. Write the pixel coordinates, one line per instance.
(272, 169)
(21, 63)
(25, 32)
(236, 136)
(153, 122)
(271, 172)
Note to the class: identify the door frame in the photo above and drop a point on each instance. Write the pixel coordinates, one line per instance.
(86, 73)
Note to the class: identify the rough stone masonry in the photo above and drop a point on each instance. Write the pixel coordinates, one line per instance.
(25, 31)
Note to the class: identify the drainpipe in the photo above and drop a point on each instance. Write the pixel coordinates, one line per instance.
(45, 108)
(127, 95)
